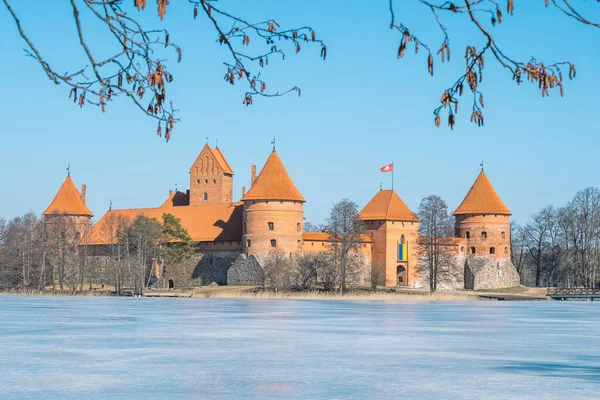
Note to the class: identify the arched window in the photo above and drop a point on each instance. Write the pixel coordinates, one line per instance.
(299, 244)
(472, 250)
(205, 196)
(503, 235)
(462, 249)
(273, 243)
(401, 239)
(298, 227)
(492, 250)
(271, 226)
(468, 234)
(484, 235)
(248, 243)
(506, 250)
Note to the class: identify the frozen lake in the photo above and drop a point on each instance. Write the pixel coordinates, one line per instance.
(132, 348)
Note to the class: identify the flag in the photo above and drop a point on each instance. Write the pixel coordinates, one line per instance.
(387, 168)
(403, 252)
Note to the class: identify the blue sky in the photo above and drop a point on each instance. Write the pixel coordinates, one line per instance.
(359, 110)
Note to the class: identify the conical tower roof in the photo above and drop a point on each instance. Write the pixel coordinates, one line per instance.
(482, 199)
(68, 201)
(387, 205)
(273, 183)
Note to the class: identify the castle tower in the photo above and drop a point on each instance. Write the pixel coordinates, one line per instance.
(273, 211)
(482, 220)
(394, 230)
(211, 178)
(67, 212)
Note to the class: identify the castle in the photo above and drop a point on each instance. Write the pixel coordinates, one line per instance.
(233, 238)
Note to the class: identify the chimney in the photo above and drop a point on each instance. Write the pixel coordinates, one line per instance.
(83, 190)
(253, 178)
(243, 191)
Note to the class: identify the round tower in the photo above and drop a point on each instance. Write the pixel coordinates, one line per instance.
(483, 221)
(273, 211)
(68, 212)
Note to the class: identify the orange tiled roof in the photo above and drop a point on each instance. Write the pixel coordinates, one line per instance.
(68, 201)
(387, 205)
(482, 199)
(203, 223)
(222, 161)
(218, 156)
(176, 199)
(273, 183)
(326, 237)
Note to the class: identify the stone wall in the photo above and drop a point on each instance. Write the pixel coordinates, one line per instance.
(450, 272)
(489, 273)
(245, 270)
(213, 267)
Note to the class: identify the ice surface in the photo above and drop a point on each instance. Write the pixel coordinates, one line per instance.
(138, 348)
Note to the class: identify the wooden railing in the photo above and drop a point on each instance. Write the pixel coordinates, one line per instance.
(572, 291)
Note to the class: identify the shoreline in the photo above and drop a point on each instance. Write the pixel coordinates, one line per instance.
(246, 292)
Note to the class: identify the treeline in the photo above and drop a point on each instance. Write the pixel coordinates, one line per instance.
(35, 255)
(560, 246)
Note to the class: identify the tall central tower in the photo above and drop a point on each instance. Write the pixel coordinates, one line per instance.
(211, 178)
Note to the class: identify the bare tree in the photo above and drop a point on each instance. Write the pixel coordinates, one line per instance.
(137, 67)
(518, 246)
(306, 270)
(346, 230)
(435, 229)
(278, 270)
(485, 16)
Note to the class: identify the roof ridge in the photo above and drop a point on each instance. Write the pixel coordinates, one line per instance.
(68, 201)
(274, 183)
(482, 198)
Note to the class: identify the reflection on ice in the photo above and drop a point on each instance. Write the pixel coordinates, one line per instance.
(73, 348)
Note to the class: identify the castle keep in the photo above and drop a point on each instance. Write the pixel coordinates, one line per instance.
(233, 238)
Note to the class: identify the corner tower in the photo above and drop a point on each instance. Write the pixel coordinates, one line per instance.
(211, 178)
(482, 220)
(68, 209)
(394, 230)
(273, 211)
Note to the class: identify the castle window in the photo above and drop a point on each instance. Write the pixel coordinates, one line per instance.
(298, 227)
(273, 243)
(206, 181)
(472, 250)
(198, 180)
(484, 235)
(205, 196)
(402, 239)
(503, 235)
(271, 226)
(468, 234)
(299, 244)
(462, 249)
(506, 250)
(214, 181)
(248, 243)
(492, 250)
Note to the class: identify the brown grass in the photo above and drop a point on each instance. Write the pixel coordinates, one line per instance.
(256, 293)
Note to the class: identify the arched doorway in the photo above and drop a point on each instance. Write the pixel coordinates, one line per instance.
(171, 284)
(400, 276)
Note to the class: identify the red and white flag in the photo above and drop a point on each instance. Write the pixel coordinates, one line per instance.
(387, 168)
